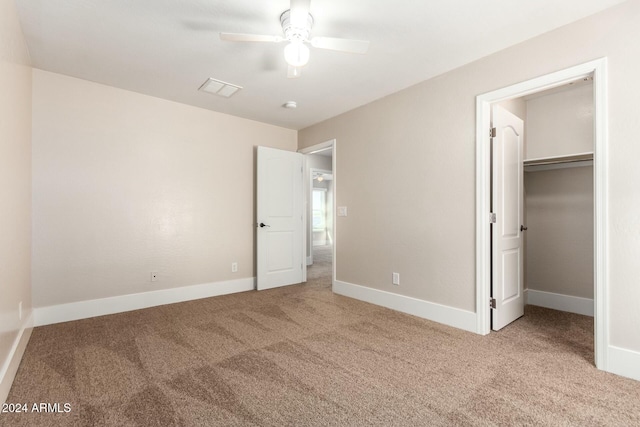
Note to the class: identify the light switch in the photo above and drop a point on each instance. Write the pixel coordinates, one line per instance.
(395, 278)
(342, 211)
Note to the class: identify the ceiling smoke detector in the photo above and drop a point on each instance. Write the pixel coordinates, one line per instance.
(290, 105)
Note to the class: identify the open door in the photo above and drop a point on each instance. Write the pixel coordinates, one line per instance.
(507, 254)
(279, 218)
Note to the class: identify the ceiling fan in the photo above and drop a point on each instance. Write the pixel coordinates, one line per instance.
(296, 28)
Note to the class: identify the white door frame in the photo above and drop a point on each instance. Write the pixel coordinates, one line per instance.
(597, 68)
(332, 143)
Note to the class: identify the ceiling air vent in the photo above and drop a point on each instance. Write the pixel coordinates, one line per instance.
(218, 87)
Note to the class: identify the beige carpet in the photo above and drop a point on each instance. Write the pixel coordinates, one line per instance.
(301, 355)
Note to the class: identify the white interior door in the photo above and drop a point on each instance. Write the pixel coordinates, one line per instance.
(279, 218)
(507, 251)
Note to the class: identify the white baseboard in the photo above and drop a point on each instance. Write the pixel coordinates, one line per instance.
(10, 365)
(100, 307)
(624, 362)
(560, 302)
(450, 316)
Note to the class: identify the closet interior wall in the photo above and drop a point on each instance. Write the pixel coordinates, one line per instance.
(559, 202)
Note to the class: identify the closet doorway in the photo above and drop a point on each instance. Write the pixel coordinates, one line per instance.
(565, 160)
(542, 198)
(559, 198)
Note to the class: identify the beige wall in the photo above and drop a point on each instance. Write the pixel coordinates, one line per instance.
(559, 203)
(559, 247)
(420, 219)
(15, 184)
(560, 123)
(125, 184)
(517, 106)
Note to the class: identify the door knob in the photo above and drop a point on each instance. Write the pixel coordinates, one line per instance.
(523, 228)
(262, 224)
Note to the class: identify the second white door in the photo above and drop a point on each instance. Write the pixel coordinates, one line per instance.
(279, 218)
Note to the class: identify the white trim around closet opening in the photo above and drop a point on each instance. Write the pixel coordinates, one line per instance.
(597, 69)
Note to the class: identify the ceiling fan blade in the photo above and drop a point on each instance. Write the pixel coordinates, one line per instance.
(342, 45)
(299, 13)
(235, 37)
(294, 72)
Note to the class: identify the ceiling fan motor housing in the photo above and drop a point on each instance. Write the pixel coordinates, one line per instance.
(292, 33)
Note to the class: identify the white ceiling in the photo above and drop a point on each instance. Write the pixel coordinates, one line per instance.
(169, 48)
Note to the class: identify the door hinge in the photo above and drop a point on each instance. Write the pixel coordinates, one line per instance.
(492, 303)
(492, 218)
(492, 133)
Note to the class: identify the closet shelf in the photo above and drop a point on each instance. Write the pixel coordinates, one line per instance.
(557, 162)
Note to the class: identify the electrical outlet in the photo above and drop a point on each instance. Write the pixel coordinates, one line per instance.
(396, 278)
(20, 310)
(154, 276)
(234, 267)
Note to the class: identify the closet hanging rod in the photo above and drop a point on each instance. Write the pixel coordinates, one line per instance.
(559, 159)
(557, 162)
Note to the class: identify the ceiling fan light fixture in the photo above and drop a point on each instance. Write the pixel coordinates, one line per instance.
(296, 24)
(296, 54)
